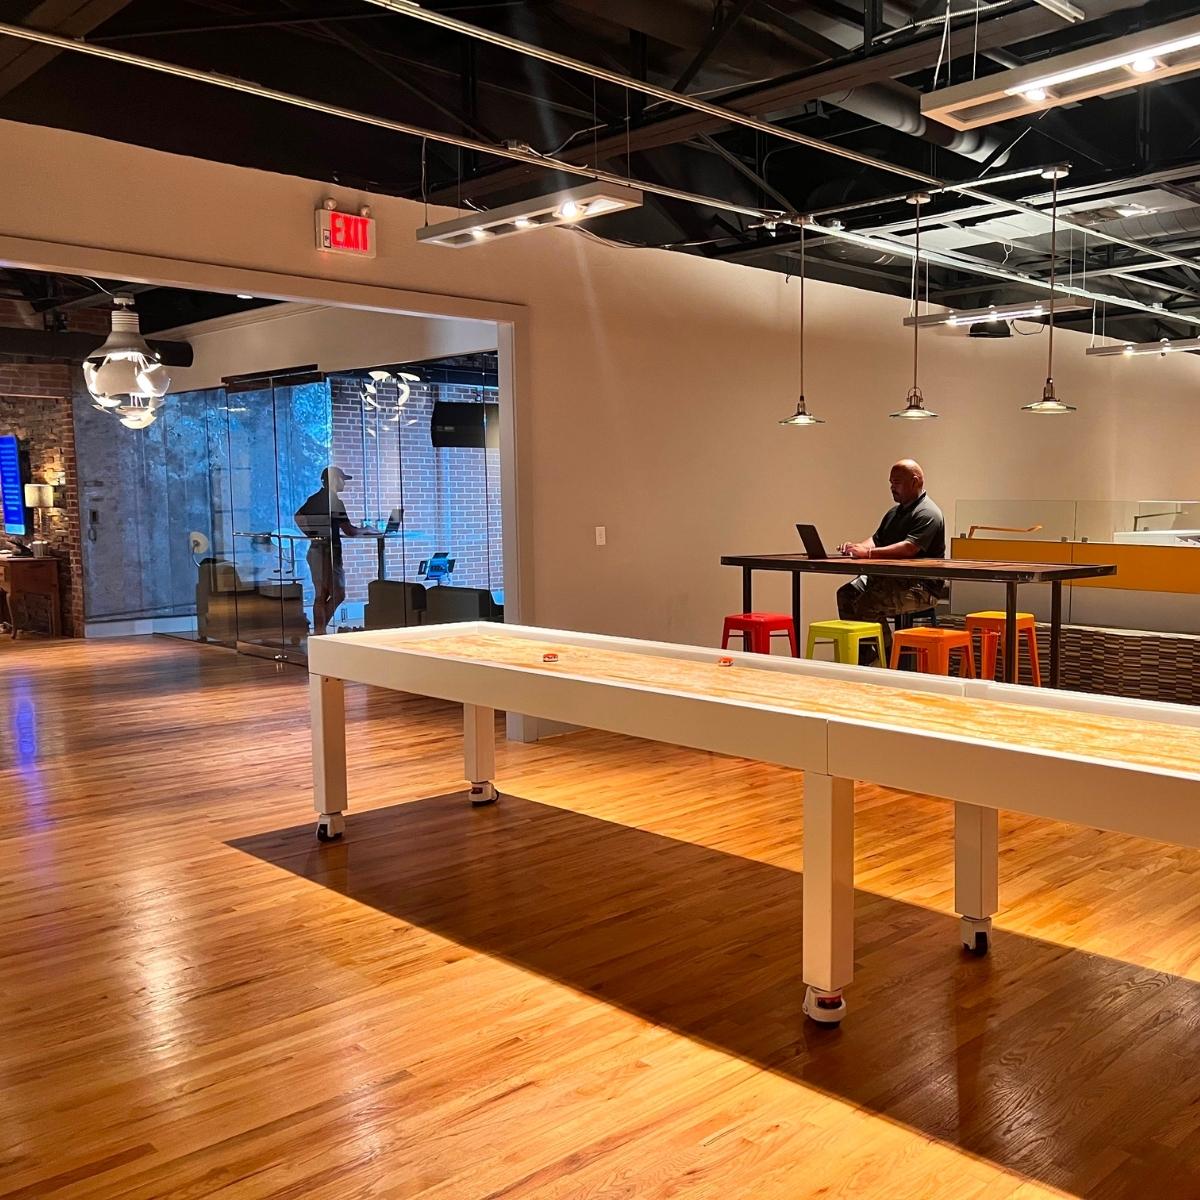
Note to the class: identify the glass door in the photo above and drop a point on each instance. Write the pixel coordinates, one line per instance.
(269, 459)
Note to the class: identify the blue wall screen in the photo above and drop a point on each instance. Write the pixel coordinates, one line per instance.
(11, 486)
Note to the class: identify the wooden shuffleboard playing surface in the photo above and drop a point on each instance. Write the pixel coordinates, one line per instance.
(1118, 739)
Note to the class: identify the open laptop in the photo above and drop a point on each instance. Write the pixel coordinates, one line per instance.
(813, 546)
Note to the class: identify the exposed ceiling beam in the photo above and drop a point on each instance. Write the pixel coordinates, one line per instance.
(721, 29)
(919, 51)
(39, 343)
(738, 165)
(71, 18)
(236, 24)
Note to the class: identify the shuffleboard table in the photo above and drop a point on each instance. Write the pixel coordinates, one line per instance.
(1128, 766)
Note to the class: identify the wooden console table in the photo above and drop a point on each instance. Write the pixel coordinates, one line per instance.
(23, 579)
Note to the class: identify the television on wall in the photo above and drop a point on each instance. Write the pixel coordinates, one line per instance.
(13, 477)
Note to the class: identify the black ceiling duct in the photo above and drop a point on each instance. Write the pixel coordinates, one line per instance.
(459, 424)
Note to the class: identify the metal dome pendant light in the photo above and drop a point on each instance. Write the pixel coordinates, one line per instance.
(914, 404)
(802, 416)
(124, 375)
(1049, 403)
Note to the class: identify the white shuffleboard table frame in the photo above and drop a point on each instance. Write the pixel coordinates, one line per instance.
(978, 776)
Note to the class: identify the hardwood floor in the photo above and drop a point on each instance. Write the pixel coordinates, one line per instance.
(590, 990)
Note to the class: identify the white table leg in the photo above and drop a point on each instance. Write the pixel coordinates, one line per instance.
(976, 873)
(828, 894)
(327, 706)
(479, 753)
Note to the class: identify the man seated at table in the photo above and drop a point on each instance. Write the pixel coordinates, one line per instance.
(913, 528)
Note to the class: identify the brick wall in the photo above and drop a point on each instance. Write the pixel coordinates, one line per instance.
(36, 405)
(450, 495)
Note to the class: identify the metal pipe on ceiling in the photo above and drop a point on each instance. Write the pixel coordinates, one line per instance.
(408, 8)
(245, 87)
(960, 262)
(214, 79)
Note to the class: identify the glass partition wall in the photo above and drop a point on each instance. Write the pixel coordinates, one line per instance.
(281, 505)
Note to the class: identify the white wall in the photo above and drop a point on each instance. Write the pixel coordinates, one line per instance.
(649, 384)
(335, 339)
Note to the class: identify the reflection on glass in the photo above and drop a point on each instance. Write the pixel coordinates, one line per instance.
(1129, 522)
(1014, 520)
(1140, 522)
(217, 522)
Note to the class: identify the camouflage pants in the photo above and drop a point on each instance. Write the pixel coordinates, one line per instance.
(878, 597)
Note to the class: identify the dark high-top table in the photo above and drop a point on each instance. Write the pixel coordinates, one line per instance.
(1009, 573)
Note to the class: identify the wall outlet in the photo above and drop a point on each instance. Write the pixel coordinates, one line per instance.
(601, 536)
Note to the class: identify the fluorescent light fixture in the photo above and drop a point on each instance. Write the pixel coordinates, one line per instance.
(1111, 66)
(556, 208)
(999, 312)
(1161, 348)
(1061, 8)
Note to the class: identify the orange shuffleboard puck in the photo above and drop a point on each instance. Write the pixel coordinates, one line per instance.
(551, 657)
(724, 662)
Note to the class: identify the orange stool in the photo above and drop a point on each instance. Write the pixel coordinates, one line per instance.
(756, 629)
(933, 649)
(993, 623)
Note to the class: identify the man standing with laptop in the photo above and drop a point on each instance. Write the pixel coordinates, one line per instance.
(913, 528)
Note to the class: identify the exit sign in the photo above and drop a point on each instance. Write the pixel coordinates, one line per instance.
(345, 233)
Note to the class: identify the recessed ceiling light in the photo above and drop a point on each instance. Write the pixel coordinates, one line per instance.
(244, 296)
(1144, 65)
(1035, 95)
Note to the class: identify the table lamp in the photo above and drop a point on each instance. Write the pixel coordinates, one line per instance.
(39, 497)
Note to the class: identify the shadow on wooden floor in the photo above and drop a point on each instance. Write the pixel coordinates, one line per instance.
(1072, 1069)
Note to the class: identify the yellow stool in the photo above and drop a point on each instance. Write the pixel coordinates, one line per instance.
(846, 637)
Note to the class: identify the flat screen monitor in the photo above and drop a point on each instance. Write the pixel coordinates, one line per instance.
(12, 486)
(436, 567)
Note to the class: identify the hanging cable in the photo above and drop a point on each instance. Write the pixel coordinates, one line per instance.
(1053, 265)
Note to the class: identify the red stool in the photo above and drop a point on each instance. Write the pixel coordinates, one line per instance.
(756, 629)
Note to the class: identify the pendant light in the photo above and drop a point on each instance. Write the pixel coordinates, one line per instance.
(1050, 404)
(124, 374)
(802, 416)
(914, 404)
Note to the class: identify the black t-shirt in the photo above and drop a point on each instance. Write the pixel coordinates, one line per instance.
(921, 522)
(321, 517)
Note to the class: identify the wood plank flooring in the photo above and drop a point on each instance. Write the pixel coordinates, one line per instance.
(588, 991)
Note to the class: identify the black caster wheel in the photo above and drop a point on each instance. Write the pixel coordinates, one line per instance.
(330, 828)
(981, 945)
(483, 794)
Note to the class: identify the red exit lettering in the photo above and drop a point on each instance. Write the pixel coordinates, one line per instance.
(345, 233)
(349, 232)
